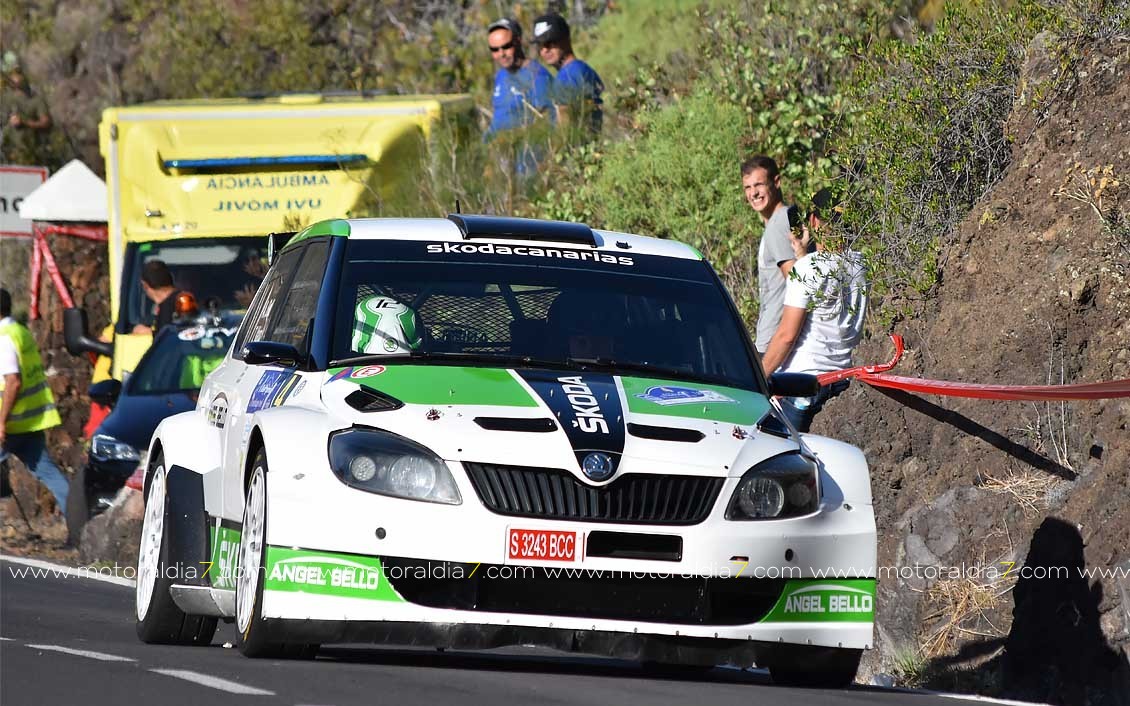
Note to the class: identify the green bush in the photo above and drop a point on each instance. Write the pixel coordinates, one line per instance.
(786, 66)
(927, 135)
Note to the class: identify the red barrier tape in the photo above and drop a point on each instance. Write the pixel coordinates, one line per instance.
(871, 374)
(1039, 393)
(837, 375)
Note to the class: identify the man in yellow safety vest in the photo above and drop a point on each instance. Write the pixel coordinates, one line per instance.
(27, 407)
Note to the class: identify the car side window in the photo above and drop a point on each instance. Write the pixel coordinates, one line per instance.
(300, 300)
(265, 303)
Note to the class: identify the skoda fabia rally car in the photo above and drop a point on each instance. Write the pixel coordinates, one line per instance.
(476, 432)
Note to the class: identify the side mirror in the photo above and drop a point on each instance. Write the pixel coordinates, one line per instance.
(268, 352)
(793, 385)
(75, 338)
(106, 393)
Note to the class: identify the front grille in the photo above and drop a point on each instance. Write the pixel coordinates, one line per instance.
(553, 494)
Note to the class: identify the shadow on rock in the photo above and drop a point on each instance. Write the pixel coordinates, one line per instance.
(1055, 652)
(963, 423)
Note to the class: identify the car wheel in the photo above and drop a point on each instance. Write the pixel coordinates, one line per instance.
(255, 638)
(159, 620)
(802, 665)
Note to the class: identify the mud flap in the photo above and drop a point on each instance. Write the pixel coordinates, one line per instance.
(188, 527)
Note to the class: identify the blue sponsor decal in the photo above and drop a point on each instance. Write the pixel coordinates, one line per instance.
(667, 395)
(341, 374)
(267, 390)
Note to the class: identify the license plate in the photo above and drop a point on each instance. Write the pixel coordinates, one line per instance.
(542, 545)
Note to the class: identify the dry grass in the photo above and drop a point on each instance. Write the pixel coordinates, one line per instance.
(1029, 488)
(959, 604)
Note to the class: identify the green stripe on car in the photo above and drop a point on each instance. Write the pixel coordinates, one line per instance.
(693, 400)
(225, 555)
(336, 227)
(447, 385)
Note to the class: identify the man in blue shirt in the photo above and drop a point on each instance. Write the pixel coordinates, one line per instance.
(577, 88)
(521, 87)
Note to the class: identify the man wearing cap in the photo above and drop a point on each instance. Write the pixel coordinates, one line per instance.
(822, 318)
(27, 409)
(577, 88)
(521, 86)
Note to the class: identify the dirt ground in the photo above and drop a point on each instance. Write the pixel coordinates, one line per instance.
(1033, 291)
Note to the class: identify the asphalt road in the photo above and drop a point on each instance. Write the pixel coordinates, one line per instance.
(69, 640)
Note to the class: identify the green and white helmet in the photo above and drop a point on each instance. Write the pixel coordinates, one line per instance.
(383, 325)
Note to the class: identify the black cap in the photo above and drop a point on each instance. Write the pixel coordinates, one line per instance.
(550, 28)
(826, 204)
(508, 24)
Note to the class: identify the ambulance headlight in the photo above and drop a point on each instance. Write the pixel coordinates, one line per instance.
(778, 487)
(381, 462)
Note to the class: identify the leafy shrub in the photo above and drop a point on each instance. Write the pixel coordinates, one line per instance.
(928, 134)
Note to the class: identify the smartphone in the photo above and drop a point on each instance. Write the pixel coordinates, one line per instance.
(795, 217)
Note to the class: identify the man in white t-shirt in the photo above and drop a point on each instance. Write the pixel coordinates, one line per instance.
(822, 318)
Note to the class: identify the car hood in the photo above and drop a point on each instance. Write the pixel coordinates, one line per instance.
(136, 416)
(559, 418)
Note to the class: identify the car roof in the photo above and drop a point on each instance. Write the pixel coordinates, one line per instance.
(446, 229)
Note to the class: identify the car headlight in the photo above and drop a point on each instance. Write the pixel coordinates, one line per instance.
(384, 463)
(107, 448)
(778, 487)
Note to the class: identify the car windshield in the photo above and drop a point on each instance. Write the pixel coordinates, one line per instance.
(515, 306)
(179, 359)
(226, 269)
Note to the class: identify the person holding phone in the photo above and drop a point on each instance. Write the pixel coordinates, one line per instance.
(823, 312)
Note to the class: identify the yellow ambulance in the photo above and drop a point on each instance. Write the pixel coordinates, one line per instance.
(198, 184)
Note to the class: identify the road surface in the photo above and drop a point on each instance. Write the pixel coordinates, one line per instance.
(71, 640)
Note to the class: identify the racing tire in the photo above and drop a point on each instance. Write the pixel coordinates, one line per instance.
(256, 637)
(159, 620)
(811, 666)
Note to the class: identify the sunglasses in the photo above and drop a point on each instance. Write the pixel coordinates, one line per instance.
(504, 47)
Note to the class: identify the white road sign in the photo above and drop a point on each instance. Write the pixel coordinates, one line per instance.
(15, 184)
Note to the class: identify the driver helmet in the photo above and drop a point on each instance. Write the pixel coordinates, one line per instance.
(382, 325)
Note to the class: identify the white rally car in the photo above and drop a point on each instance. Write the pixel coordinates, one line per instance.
(475, 432)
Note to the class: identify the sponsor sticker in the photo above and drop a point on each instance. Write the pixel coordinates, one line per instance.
(541, 545)
(819, 600)
(327, 573)
(666, 395)
(367, 372)
(528, 251)
(225, 557)
(264, 392)
(191, 334)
